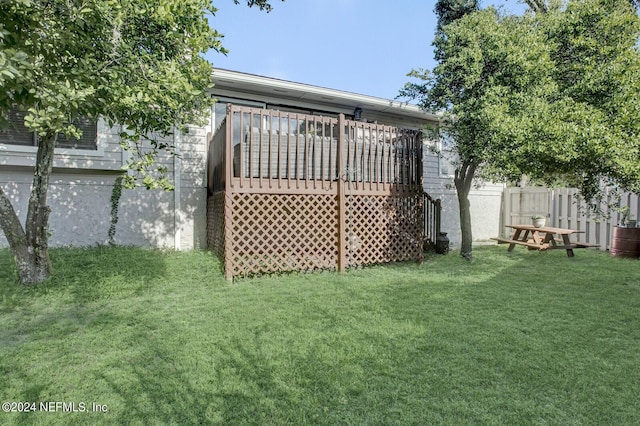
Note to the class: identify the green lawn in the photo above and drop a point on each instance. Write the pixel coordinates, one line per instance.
(161, 338)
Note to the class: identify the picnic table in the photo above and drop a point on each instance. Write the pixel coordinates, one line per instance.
(543, 238)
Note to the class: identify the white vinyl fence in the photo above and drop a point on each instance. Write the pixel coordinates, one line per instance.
(564, 209)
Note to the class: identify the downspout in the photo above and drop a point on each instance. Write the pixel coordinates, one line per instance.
(176, 190)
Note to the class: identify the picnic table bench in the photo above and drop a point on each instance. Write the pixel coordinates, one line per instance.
(543, 238)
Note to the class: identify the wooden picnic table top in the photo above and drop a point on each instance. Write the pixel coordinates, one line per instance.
(542, 238)
(546, 229)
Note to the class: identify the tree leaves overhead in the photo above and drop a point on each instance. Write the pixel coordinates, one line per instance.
(262, 4)
(137, 63)
(449, 11)
(597, 72)
(551, 95)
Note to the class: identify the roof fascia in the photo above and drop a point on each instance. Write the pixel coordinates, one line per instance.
(268, 88)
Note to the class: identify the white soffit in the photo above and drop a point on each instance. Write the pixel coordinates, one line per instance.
(233, 81)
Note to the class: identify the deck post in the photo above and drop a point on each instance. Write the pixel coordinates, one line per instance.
(228, 197)
(342, 206)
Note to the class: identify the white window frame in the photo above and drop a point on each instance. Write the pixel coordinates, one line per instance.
(7, 148)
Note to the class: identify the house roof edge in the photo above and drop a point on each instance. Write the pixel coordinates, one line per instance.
(269, 85)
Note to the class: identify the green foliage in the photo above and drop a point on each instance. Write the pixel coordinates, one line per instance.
(493, 68)
(262, 4)
(448, 11)
(544, 6)
(549, 95)
(137, 63)
(116, 193)
(597, 71)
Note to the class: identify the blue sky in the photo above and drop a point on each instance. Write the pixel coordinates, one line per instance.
(361, 46)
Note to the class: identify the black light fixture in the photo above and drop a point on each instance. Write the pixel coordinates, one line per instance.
(357, 114)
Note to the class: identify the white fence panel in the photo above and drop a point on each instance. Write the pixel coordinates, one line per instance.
(519, 204)
(565, 209)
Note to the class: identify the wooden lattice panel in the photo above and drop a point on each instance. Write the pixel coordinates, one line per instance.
(305, 192)
(215, 223)
(282, 232)
(383, 229)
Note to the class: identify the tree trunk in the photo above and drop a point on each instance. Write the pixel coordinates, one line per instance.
(463, 181)
(30, 245)
(10, 225)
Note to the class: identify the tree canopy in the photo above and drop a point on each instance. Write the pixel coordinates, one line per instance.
(584, 130)
(551, 95)
(449, 11)
(137, 63)
(592, 134)
(492, 69)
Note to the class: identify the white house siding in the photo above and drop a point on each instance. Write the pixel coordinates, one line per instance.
(81, 188)
(80, 205)
(485, 203)
(192, 218)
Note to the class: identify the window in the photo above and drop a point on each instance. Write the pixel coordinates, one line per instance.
(220, 108)
(17, 134)
(220, 112)
(447, 156)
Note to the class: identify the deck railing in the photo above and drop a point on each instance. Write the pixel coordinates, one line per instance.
(270, 149)
(432, 219)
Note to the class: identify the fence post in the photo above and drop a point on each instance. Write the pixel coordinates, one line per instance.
(342, 201)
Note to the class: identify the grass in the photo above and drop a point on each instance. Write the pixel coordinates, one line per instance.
(161, 338)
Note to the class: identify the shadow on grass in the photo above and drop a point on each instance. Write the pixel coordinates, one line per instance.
(156, 391)
(120, 345)
(232, 382)
(86, 273)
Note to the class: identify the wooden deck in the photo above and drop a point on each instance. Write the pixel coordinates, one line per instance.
(302, 192)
